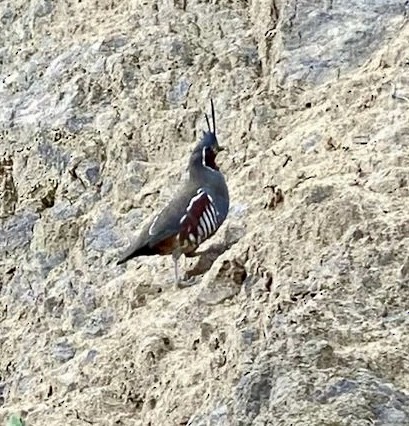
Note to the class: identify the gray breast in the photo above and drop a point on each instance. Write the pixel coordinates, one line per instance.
(217, 188)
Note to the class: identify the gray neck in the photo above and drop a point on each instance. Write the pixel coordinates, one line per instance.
(211, 180)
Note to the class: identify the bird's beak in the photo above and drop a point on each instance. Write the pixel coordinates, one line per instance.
(220, 148)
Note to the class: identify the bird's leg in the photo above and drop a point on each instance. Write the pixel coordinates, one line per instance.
(175, 257)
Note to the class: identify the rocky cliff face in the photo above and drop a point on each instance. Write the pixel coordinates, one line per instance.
(302, 318)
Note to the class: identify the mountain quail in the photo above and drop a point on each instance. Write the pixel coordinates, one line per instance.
(194, 214)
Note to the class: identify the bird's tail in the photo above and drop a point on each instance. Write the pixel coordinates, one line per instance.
(135, 251)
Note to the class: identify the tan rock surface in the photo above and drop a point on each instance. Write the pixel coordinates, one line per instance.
(303, 318)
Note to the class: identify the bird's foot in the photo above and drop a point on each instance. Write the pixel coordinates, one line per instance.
(186, 282)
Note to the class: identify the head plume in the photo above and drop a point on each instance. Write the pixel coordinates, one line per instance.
(209, 138)
(204, 155)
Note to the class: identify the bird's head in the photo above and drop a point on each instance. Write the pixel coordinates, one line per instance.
(208, 146)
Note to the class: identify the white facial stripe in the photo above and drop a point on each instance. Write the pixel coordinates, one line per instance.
(204, 160)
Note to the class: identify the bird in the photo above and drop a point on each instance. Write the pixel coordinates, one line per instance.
(195, 212)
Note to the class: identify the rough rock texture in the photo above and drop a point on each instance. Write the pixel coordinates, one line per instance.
(302, 318)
